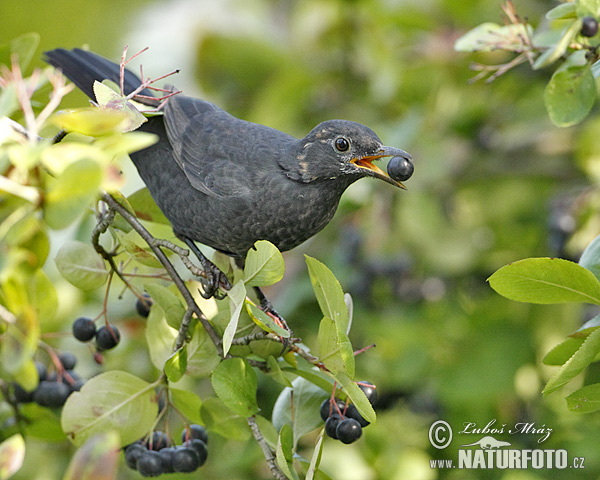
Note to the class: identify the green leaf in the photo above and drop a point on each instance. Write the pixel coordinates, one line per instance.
(562, 352)
(576, 364)
(546, 280)
(176, 364)
(202, 354)
(314, 376)
(110, 100)
(590, 258)
(43, 423)
(315, 460)
(358, 398)
(42, 295)
(235, 383)
(491, 36)
(562, 11)
(71, 194)
(329, 292)
(335, 349)
(570, 95)
(284, 453)
(19, 343)
(587, 328)
(97, 459)
(220, 419)
(25, 46)
(587, 8)
(170, 303)
(91, 121)
(188, 403)
(137, 249)
(237, 297)
(276, 373)
(264, 265)
(585, 400)
(145, 207)
(80, 265)
(298, 407)
(265, 321)
(559, 48)
(114, 400)
(159, 336)
(12, 454)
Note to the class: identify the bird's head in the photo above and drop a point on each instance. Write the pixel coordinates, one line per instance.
(343, 149)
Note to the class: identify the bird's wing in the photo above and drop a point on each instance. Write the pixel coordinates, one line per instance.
(218, 152)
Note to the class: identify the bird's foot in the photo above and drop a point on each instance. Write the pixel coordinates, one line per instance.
(215, 279)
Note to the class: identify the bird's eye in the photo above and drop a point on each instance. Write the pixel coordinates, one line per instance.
(342, 144)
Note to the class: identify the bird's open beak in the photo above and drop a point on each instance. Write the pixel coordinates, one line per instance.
(373, 170)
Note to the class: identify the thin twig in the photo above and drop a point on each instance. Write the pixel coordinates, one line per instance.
(268, 453)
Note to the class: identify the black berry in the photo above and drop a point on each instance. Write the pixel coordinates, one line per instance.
(51, 394)
(327, 407)
(199, 447)
(400, 168)
(589, 27)
(196, 431)
(167, 456)
(158, 441)
(143, 305)
(107, 337)
(42, 371)
(68, 360)
(132, 453)
(84, 329)
(150, 464)
(370, 391)
(348, 430)
(185, 460)
(331, 425)
(22, 395)
(352, 412)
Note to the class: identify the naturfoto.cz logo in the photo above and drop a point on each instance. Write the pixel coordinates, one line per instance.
(488, 452)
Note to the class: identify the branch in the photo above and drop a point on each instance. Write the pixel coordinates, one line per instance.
(155, 245)
(268, 453)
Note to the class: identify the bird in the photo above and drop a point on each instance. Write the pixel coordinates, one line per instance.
(225, 182)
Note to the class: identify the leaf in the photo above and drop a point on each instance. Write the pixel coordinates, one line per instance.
(176, 364)
(329, 292)
(220, 419)
(559, 48)
(114, 400)
(202, 354)
(587, 328)
(146, 208)
(188, 403)
(562, 11)
(110, 100)
(71, 194)
(570, 95)
(137, 250)
(587, 8)
(80, 265)
(576, 364)
(265, 321)
(24, 46)
(358, 398)
(276, 373)
(97, 459)
(491, 36)
(170, 303)
(12, 454)
(562, 352)
(42, 295)
(545, 281)
(237, 297)
(19, 343)
(264, 265)
(590, 258)
(298, 407)
(284, 453)
(91, 121)
(159, 336)
(315, 460)
(335, 349)
(584, 400)
(235, 383)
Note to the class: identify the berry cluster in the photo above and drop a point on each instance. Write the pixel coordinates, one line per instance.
(156, 456)
(54, 387)
(342, 420)
(107, 336)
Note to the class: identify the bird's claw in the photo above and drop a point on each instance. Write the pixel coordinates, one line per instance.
(215, 280)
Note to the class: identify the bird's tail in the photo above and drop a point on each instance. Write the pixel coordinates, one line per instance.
(83, 68)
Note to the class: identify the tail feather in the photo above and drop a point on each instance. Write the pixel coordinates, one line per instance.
(83, 68)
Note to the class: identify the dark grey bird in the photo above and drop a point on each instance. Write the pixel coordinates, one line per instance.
(226, 182)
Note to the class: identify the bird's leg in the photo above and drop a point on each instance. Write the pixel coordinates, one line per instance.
(267, 307)
(215, 278)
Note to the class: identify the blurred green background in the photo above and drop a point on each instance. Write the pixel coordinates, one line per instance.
(494, 182)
